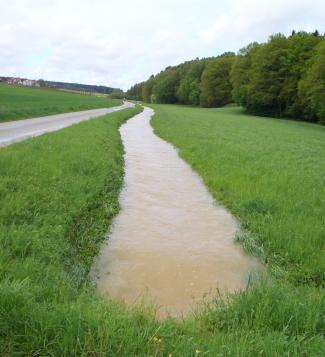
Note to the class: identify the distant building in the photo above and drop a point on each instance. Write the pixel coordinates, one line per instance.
(20, 81)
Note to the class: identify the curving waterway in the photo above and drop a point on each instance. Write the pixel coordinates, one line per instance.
(171, 244)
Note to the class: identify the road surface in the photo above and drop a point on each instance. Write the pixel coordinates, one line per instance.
(14, 131)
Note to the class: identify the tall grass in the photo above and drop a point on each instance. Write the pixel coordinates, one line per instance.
(23, 102)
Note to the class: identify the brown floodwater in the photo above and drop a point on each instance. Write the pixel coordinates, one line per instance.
(171, 244)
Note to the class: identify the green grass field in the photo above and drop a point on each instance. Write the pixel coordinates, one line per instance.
(23, 102)
(270, 173)
(59, 192)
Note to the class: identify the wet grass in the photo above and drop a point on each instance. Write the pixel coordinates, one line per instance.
(23, 102)
(58, 194)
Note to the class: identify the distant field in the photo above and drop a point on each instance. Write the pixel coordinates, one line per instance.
(23, 102)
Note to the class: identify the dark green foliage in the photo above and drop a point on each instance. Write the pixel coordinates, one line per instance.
(215, 85)
(239, 74)
(312, 87)
(267, 76)
(179, 84)
(164, 91)
(135, 92)
(147, 89)
(283, 78)
(183, 84)
(117, 94)
(189, 90)
(301, 49)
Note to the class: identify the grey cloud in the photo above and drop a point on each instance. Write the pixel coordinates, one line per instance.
(119, 43)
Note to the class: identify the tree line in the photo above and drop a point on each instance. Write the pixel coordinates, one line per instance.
(284, 77)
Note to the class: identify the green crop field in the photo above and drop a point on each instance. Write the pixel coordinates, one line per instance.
(59, 192)
(23, 102)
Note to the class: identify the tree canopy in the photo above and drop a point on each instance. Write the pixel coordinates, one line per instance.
(284, 77)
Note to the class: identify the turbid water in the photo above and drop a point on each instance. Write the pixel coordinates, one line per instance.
(171, 243)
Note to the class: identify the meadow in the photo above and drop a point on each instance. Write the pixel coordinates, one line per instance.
(59, 193)
(270, 173)
(24, 102)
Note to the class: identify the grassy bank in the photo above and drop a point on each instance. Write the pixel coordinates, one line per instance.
(58, 194)
(23, 102)
(271, 175)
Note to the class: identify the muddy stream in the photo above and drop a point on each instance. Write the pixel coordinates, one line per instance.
(171, 244)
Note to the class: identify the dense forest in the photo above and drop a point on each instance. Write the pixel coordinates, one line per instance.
(284, 77)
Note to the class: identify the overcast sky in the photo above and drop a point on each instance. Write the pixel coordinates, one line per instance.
(118, 43)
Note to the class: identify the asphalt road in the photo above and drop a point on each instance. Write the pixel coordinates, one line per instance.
(18, 130)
